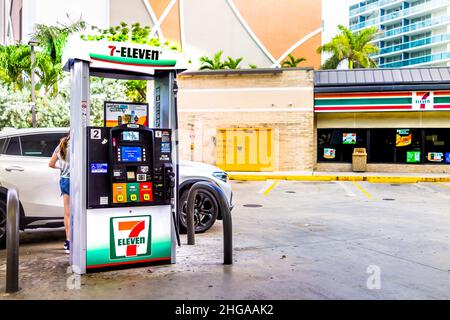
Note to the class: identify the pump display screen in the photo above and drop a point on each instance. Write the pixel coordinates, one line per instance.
(131, 154)
(130, 136)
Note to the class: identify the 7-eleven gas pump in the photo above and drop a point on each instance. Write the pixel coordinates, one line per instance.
(123, 174)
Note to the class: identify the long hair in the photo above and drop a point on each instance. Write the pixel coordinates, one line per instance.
(63, 146)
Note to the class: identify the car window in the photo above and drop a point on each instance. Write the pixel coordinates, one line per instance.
(2, 144)
(13, 147)
(40, 145)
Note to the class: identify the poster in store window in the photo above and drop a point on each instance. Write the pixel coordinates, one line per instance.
(118, 113)
(404, 138)
(447, 157)
(413, 156)
(329, 153)
(435, 156)
(349, 138)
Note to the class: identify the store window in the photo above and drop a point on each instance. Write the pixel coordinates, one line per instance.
(336, 145)
(400, 145)
(437, 146)
(408, 144)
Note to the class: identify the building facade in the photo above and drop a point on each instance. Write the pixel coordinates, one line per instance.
(412, 32)
(401, 117)
(248, 120)
(11, 21)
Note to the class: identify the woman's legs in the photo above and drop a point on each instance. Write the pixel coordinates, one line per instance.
(67, 215)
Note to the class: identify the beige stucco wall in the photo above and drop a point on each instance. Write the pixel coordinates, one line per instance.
(283, 102)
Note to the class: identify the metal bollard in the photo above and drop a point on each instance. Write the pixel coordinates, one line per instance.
(226, 218)
(12, 242)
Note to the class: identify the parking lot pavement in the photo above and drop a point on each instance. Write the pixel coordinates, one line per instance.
(292, 240)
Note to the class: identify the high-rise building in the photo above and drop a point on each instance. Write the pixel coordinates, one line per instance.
(412, 32)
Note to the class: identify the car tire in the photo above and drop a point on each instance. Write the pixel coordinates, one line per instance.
(206, 211)
(2, 224)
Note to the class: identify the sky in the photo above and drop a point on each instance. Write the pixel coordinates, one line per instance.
(334, 12)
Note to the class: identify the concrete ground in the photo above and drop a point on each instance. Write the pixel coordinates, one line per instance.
(309, 240)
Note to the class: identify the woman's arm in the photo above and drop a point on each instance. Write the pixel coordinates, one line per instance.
(53, 160)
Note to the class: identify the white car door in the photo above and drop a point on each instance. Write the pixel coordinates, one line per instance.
(29, 173)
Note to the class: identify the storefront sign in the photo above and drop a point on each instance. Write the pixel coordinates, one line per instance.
(413, 156)
(382, 101)
(349, 138)
(329, 153)
(423, 100)
(118, 113)
(404, 138)
(435, 156)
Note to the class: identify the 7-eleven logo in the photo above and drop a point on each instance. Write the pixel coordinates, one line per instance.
(423, 100)
(130, 237)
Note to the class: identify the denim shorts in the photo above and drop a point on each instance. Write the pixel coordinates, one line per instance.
(64, 185)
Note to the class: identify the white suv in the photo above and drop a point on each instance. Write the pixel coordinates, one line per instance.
(24, 157)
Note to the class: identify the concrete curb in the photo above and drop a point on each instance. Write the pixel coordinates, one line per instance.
(372, 179)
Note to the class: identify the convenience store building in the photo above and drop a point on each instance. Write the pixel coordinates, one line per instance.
(401, 116)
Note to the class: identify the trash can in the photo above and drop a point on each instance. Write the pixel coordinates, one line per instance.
(359, 160)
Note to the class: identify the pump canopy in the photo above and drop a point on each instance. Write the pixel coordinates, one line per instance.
(123, 60)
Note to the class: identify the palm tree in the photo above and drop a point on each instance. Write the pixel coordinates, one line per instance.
(353, 47)
(49, 73)
(212, 64)
(14, 65)
(53, 39)
(292, 62)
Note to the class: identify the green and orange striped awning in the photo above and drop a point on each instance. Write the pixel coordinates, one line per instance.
(382, 101)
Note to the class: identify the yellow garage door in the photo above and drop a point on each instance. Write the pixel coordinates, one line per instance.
(244, 149)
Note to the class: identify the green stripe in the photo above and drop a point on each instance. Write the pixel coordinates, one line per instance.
(442, 100)
(134, 60)
(365, 101)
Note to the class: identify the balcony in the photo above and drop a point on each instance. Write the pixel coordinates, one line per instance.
(419, 60)
(375, 5)
(414, 27)
(414, 44)
(428, 6)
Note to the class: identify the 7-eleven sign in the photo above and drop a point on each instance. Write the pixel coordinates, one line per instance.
(130, 237)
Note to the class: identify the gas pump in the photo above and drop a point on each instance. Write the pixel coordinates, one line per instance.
(123, 177)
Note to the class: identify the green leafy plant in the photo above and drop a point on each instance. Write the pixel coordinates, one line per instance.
(216, 63)
(352, 47)
(14, 65)
(212, 64)
(53, 39)
(292, 62)
(253, 66)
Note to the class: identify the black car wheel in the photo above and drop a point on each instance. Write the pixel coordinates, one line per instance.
(2, 224)
(206, 210)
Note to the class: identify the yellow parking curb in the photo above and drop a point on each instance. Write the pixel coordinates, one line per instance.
(372, 179)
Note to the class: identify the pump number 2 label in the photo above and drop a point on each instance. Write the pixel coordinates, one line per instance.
(96, 134)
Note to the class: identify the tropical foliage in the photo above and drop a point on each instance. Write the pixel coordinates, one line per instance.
(216, 63)
(14, 65)
(292, 62)
(355, 48)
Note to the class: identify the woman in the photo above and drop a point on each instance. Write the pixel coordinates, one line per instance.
(61, 155)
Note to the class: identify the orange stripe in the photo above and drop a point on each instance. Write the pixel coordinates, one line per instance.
(363, 94)
(127, 225)
(375, 94)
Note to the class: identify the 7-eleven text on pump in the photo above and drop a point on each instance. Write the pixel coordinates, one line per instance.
(130, 237)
